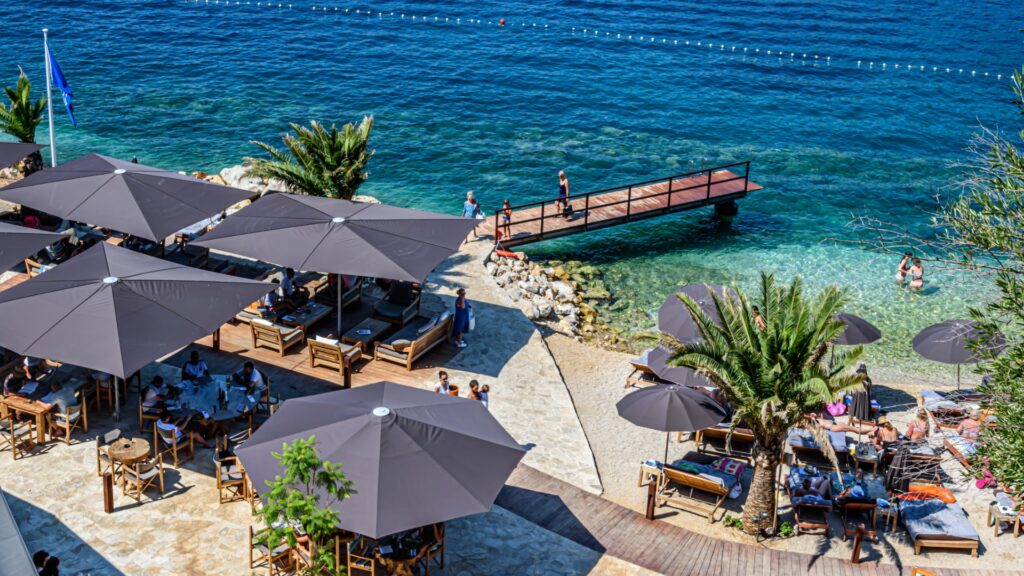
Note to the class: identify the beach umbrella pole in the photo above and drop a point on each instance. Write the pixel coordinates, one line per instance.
(117, 399)
(957, 376)
(665, 461)
(337, 288)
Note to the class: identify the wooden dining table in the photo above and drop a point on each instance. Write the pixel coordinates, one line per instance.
(32, 405)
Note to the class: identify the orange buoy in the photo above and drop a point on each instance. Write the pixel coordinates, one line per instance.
(501, 22)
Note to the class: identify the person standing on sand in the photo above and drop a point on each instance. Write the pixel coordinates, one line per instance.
(471, 209)
(461, 324)
(563, 194)
(901, 270)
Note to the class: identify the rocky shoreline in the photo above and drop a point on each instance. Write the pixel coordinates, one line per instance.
(565, 297)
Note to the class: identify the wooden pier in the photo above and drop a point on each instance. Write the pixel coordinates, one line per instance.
(543, 220)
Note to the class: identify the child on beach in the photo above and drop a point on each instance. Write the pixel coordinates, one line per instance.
(484, 394)
(506, 218)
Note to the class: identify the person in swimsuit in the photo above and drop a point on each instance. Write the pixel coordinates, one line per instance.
(917, 430)
(470, 209)
(916, 274)
(563, 194)
(883, 434)
(901, 270)
(758, 319)
(970, 427)
(506, 219)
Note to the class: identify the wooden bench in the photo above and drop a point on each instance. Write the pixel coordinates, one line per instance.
(336, 356)
(713, 441)
(275, 336)
(677, 487)
(419, 344)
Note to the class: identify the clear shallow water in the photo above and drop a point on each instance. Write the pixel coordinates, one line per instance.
(468, 106)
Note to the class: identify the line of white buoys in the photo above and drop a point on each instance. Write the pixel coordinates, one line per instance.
(587, 32)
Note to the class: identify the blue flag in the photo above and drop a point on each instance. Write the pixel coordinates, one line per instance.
(65, 90)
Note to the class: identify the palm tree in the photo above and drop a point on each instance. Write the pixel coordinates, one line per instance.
(20, 119)
(319, 162)
(773, 377)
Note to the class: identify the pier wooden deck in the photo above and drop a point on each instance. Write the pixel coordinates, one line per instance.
(608, 528)
(544, 220)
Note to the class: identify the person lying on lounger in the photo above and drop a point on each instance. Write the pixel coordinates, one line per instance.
(819, 486)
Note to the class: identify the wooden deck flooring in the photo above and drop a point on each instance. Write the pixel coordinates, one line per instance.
(600, 210)
(608, 528)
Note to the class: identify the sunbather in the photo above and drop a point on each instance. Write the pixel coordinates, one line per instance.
(917, 430)
(884, 434)
(818, 486)
(970, 427)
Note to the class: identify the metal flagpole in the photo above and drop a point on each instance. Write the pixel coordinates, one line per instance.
(49, 103)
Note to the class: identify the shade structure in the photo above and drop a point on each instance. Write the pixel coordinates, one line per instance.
(19, 242)
(670, 408)
(13, 152)
(674, 318)
(657, 360)
(858, 330)
(139, 200)
(948, 342)
(415, 457)
(340, 237)
(115, 310)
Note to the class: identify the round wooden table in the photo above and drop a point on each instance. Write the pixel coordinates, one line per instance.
(128, 450)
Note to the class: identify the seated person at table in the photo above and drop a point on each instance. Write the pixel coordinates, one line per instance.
(13, 383)
(178, 428)
(917, 430)
(291, 292)
(884, 434)
(819, 486)
(970, 427)
(250, 377)
(35, 368)
(272, 303)
(855, 489)
(195, 367)
(61, 397)
(155, 394)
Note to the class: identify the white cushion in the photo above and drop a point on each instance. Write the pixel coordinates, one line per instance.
(444, 315)
(291, 335)
(262, 322)
(326, 340)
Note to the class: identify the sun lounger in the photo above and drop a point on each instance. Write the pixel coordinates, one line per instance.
(807, 452)
(694, 487)
(414, 340)
(936, 524)
(642, 374)
(713, 441)
(959, 448)
(857, 511)
(809, 512)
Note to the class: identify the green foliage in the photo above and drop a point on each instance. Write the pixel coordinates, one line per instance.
(786, 530)
(317, 161)
(985, 230)
(304, 498)
(731, 521)
(21, 116)
(772, 378)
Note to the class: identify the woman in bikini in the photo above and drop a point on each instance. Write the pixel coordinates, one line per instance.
(917, 430)
(916, 274)
(901, 270)
(506, 219)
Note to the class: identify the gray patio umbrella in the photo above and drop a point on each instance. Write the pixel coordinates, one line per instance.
(131, 198)
(948, 341)
(858, 330)
(415, 457)
(675, 320)
(13, 152)
(657, 361)
(670, 408)
(18, 242)
(340, 237)
(115, 310)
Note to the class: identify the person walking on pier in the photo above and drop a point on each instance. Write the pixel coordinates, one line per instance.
(471, 210)
(563, 194)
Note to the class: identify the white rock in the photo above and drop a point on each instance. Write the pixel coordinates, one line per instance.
(530, 311)
(549, 294)
(565, 309)
(515, 293)
(564, 291)
(543, 307)
(502, 279)
(529, 286)
(492, 268)
(365, 199)
(565, 327)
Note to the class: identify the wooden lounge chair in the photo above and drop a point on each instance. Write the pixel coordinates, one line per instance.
(401, 304)
(332, 354)
(683, 489)
(810, 517)
(642, 375)
(713, 441)
(324, 293)
(410, 343)
(936, 524)
(857, 511)
(275, 336)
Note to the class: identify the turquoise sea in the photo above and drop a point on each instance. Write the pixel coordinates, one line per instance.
(462, 103)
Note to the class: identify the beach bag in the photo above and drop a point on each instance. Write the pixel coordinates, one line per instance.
(567, 209)
(836, 409)
(472, 321)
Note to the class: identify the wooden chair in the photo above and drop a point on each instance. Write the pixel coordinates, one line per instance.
(276, 557)
(73, 419)
(104, 393)
(360, 559)
(336, 355)
(33, 268)
(401, 304)
(268, 403)
(147, 414)
(169, 439)
(274, 336)
(141, 475)
(231, 480)
(103, 461)
(435, 550)
(18, 435)
(680, 488)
